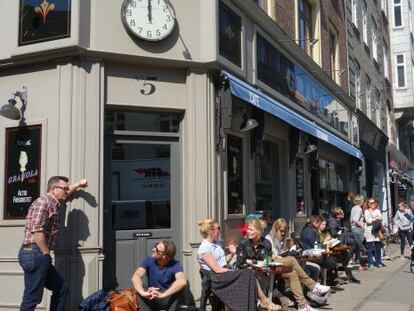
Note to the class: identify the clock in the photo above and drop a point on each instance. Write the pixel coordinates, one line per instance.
(150, 20)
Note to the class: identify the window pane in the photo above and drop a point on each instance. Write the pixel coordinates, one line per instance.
(235, 174)
(230, 35)
(147, 122)
(400, 59)
(397, 16)
(141, 186)
(401, 76)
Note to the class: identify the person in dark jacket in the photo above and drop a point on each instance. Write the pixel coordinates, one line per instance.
(308, 240)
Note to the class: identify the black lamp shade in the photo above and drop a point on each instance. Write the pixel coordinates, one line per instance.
(10, 111)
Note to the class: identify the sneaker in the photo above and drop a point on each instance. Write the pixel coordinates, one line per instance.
(371, 267)
(286, 302)
(320, 300)
(307, 308)
(402, 257)
(352, 264)
(354, 280)
(320, 289)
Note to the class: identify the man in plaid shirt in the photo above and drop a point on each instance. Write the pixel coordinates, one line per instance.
(40, 237)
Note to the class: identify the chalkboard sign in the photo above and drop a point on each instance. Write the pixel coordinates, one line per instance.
(22, 169)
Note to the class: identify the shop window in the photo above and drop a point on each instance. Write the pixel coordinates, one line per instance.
(230, 35)
(279, 73)
(235, 175)
(332, 185)
(267, 183)
(41, 21)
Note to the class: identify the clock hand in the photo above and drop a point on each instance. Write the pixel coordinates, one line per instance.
(149, 11)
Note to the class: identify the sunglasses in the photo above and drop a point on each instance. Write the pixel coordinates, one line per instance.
(218, 228)
(157, 250)
(372, 202)
(66, 189)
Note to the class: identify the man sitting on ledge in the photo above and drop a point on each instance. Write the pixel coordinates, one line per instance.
(166, 278)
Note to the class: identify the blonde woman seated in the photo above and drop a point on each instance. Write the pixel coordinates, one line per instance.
(255, 247)
(238, 290)
(276, 237)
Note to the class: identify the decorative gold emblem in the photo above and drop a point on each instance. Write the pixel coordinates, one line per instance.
(44, 9)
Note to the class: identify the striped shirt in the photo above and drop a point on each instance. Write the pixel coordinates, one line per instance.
(43, 216)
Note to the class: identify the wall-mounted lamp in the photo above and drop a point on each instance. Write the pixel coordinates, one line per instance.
(10, 110)
(310, 148)
(248, 123)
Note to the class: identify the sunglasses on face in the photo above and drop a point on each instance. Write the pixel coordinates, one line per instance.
(372, 202)
(66, 189)
(157, 250)
(213, 229)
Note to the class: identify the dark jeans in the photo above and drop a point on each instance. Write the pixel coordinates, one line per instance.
(376, 251)
(168, 303)
(39, 273)
(403, 234)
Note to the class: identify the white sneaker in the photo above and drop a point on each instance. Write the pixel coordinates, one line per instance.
(307, 308)
(320, 289)
(402, 257)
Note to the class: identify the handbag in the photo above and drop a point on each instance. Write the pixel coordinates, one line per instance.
(123, 300)
(405, 228)
(376, 227)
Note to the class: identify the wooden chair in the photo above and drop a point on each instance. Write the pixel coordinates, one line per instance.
(207, 293)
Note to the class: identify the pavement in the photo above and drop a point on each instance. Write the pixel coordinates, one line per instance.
(389, 288)
(386, 288)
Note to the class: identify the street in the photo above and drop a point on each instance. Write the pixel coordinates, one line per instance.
(388, 288)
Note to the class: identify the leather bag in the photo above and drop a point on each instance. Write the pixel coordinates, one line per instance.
(123, 300)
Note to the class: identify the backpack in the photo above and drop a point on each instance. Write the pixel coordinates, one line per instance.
(123, 300)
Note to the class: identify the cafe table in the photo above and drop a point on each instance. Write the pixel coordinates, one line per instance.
(272, 270)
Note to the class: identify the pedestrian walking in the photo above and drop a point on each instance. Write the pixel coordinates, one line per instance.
(402, 220)
(40, 238)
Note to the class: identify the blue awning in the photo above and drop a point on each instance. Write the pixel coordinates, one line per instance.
(260, 100)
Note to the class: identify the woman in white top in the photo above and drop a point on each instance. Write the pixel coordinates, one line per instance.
(237, 289)
(372, 214)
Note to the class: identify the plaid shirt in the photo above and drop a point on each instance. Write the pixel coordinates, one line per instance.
(43, 215)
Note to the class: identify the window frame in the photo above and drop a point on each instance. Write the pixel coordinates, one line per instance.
(374, 39)
(403, 65)
(364, 21)
(394, 6)
(354, 12)
(228, 63)
(368, 98)
(357, 83)
(385, 52)
(377, 108)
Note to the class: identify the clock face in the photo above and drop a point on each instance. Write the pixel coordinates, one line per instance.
(151, 20)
